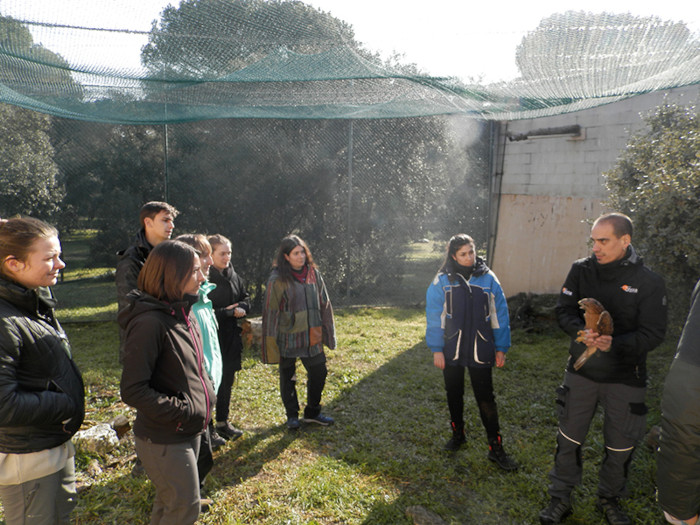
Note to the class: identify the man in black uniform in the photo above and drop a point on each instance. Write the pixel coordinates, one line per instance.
(615, 376)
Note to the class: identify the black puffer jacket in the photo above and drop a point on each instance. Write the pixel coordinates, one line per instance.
(42, 397)
(126, 276)
(636, 299)
(230, 289)
(163, 375)
(129, 266)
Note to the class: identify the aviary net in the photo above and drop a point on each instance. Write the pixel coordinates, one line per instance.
(206, 59)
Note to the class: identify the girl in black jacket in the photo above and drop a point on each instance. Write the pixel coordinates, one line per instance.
(164, 378)
(41, 389)
(230, 300)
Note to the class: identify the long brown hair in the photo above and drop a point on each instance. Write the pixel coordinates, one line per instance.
(17, 237)
(284, 269)
(453, 246)
(167, 269)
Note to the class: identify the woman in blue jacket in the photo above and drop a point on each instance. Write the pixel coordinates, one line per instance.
(468, 327)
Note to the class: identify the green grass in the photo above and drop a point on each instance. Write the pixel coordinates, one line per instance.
(84, 293)
(385, 452)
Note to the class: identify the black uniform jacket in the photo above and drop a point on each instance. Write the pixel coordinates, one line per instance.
(636, 299)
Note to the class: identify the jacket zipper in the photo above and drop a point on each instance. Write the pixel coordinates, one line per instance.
(200, 357)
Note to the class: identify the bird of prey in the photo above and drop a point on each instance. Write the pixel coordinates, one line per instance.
(597, 320)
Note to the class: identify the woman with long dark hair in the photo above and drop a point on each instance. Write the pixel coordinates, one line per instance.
(468, 327)
(42, 398)
(165, 380)
(297, 323)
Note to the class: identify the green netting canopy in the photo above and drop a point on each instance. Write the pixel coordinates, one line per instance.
(206, 59)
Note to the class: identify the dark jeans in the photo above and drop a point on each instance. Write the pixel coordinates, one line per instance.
(482, 386)
(316, 379)
(231, 363)
(205, 458)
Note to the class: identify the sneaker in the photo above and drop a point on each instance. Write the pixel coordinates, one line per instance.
(499, 456)
(216, 440)
(458, 437)
(557, 510)
(293, 423)
(613, 513)
(320, 420)
(228, 431)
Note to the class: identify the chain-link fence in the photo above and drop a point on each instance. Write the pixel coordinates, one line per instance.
(375, 200)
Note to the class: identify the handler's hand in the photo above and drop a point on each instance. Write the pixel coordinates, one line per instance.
(439, 360)
(601, 342)
(500, 359)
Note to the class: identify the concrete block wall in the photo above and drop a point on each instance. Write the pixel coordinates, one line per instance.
(553, 187)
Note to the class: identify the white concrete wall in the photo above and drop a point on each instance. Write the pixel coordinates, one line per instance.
(553, 188)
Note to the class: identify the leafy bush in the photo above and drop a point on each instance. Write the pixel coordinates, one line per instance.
(657, 183)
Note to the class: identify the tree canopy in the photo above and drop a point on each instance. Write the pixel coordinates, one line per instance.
(211, 39)
(29, 177)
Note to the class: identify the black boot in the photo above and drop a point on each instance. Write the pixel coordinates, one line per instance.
(499, 456)
(612, 510)
(458, 437)
(556, 512)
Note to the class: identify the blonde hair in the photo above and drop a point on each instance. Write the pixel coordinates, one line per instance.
(198, 241)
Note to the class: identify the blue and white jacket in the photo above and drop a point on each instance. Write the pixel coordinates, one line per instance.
(467, 320)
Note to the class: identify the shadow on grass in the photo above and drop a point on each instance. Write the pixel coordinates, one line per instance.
(246, 457)
(392, 424)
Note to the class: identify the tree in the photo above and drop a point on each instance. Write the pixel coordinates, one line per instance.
(212, 38)
(29, 178)
(262, 179)
(109, 172)
(656, 182)
(29, 182)
(22, 59)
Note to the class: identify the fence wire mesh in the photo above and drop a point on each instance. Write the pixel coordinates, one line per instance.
(375, 200)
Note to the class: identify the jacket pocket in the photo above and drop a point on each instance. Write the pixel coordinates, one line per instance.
(484, 349)
(453, 340)
(315, 335)
(448, 302)
(190, 421)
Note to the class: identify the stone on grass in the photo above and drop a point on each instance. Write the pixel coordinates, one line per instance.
(422, 516)
(100, 439)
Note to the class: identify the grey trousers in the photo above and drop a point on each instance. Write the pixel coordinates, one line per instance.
(624, 425)
(44, 501)
(173, 471)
